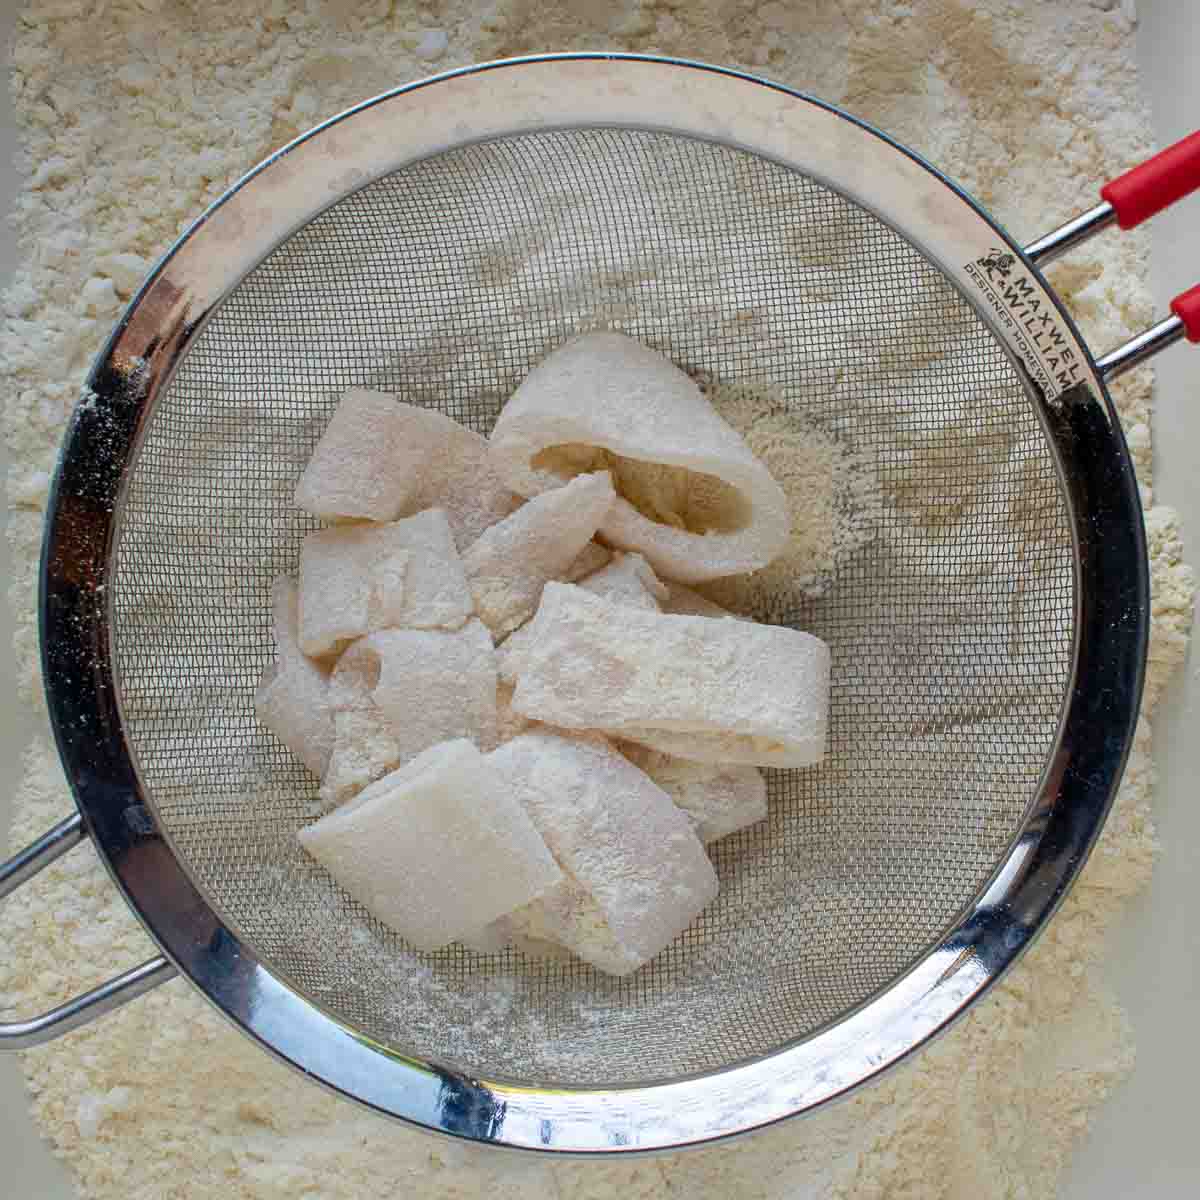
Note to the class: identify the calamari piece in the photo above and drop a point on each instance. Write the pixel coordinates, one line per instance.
(684, 602)
(364, 748)
(719, 798)
(510, 930)
(291, 703)
(490, 940)
(536, 947)
(511, 562)
(351, 583)
(435, 849)
(713, 691)
(357, 579)
(442, 684)
(692, 497)
(285, 620)
(358, 468)
(590, 559)
(457, 473)
(380, 458)
(636, 874)
(508, 723)
(628, 579)
(508, 655)
(566, 919)
(400, 691)
(292, 699)
(436, 594)
(363, 751)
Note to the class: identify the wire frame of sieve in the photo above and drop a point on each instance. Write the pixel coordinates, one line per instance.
(129, 381)
(951, 631)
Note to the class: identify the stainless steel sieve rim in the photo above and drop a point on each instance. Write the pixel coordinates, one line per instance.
(210, 259)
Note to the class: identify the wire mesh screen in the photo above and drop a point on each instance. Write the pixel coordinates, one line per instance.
(950, 625)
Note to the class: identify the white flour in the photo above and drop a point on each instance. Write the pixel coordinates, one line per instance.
(832, 492)
(135, 113)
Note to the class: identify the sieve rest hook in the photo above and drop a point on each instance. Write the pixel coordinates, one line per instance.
(80, 1010)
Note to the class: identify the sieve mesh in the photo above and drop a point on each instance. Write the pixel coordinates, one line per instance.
(951, 630)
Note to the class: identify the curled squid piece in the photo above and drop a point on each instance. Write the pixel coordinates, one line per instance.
(692, 497)
(292, 699)
(512, 561)
(712, 691)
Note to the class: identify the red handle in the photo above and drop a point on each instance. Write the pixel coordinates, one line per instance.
(1186, 307)
(1159, 181)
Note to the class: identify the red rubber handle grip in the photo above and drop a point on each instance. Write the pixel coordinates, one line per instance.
(1186, 307)
(1158, 182)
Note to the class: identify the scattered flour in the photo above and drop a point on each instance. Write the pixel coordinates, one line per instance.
(131, 123)
(832, 493)
(432, 45)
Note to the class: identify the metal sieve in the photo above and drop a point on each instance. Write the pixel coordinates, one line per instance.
(988, 639)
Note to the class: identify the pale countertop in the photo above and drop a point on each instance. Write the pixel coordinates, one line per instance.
(1144, 1141)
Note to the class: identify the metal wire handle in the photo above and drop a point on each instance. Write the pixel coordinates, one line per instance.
(1126, 202)
(80, 1010)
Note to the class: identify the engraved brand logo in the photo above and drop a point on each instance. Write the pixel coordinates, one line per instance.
(997, 263)
(1033, 324)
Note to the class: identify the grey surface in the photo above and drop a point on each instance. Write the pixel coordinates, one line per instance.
(1143, 1143)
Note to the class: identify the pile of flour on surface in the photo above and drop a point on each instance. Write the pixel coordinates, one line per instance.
(132, 121)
